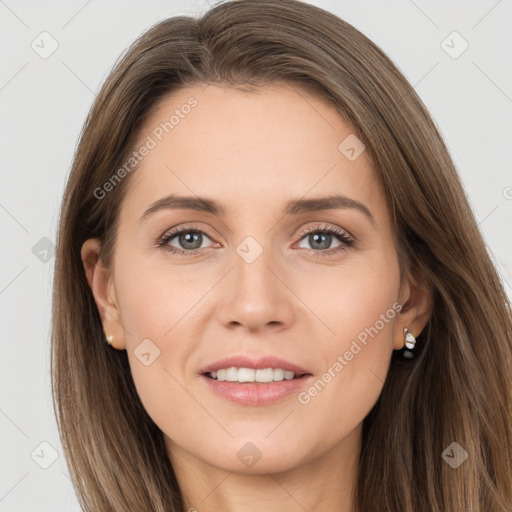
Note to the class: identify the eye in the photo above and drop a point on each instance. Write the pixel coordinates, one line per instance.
(189, 241)
(320, 239)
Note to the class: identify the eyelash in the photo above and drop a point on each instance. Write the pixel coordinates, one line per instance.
(343, 237)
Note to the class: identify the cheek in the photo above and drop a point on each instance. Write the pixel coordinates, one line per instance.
(157, 302)
(361, 313)
(155, 296)
(360, 307)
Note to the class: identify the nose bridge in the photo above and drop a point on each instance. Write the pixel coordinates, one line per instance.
(252, 276)
(252, 262)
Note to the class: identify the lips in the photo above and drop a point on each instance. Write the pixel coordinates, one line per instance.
(254, 393)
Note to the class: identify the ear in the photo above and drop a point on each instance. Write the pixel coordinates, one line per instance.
(101, 283)
(416, 298)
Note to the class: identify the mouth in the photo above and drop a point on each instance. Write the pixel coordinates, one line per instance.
(255, 386)
(251, 381)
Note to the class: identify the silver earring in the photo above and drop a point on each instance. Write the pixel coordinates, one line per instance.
(108, 340)
(410, 343)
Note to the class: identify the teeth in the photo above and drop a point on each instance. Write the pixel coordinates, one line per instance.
(233, 374)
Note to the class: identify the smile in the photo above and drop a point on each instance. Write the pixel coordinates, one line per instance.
(234, 374)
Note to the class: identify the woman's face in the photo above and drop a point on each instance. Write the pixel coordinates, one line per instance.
(259, 279)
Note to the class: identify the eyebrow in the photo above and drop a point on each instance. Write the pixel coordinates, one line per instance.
(294, 207)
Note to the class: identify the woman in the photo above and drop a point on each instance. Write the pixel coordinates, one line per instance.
(264, 225)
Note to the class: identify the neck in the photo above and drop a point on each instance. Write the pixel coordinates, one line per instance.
(324, 483)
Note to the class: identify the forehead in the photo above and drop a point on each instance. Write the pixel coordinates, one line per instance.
(278, 141)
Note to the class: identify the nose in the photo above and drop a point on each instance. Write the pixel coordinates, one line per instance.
(256, 295)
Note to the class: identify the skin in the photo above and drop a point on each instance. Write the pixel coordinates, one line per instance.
(253, 152)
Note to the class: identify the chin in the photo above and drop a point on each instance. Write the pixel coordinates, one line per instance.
(267, 464)
(258, 457)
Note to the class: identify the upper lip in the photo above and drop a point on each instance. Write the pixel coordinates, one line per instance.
(244, 361)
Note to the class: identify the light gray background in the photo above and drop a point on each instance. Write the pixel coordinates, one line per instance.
(44, 103)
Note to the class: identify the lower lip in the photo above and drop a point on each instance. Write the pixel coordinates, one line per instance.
(249, 393)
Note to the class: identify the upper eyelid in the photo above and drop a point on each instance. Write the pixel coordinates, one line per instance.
(178, 229)
(325, 226)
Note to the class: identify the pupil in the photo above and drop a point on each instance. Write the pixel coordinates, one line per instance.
(190, 238)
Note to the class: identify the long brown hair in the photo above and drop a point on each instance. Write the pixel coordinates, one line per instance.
(457, 389)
